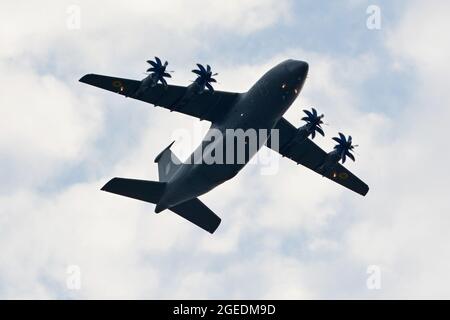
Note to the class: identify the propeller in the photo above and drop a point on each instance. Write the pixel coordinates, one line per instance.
(158, 71)
(313, 121)
(344, 147)
(205, 76)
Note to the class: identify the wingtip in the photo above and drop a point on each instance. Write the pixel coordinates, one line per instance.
(366, 191)
(87, 78)
(84, 78)
(212, 230)
(107, 186)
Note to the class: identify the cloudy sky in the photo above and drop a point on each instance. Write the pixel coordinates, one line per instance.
(287, 235)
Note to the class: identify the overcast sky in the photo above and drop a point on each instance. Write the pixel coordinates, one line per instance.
(288, 235)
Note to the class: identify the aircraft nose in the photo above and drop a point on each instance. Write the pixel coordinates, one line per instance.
(299, 68)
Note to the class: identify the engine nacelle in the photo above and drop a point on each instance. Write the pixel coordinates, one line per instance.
(192, 90)
(146, 83)
(330, 162)
(300, 136)
(195, 89)
(157, 74)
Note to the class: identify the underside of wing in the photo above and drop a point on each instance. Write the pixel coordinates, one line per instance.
(308, 154)
(209, 105)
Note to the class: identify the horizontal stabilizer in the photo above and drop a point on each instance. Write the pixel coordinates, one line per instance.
(196, 212)
(149, 191)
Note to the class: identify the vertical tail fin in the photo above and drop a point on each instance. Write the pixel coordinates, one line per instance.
(168, 164)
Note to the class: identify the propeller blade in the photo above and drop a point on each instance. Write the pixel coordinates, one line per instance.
(351, 156)
(201, 68)
(158, 61)
(337, 140)
(319, 130)
(167, 75)
(210, 87)
(152, 63)
(342, 137)
(308, 113)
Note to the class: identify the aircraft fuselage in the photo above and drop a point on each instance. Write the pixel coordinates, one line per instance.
(258, 109)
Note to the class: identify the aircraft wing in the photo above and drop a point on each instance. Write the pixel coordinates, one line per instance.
(308, 154)
(206, 106)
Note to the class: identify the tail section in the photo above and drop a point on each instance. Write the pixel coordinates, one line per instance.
(151, 191)
(168, 164)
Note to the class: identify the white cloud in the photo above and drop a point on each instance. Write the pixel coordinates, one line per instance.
(110, 33)
(420, 37)
(293, 235)
(405, 225)
(50, 124)
(43, 126)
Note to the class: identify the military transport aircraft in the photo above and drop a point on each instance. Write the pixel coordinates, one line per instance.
(262, 107)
